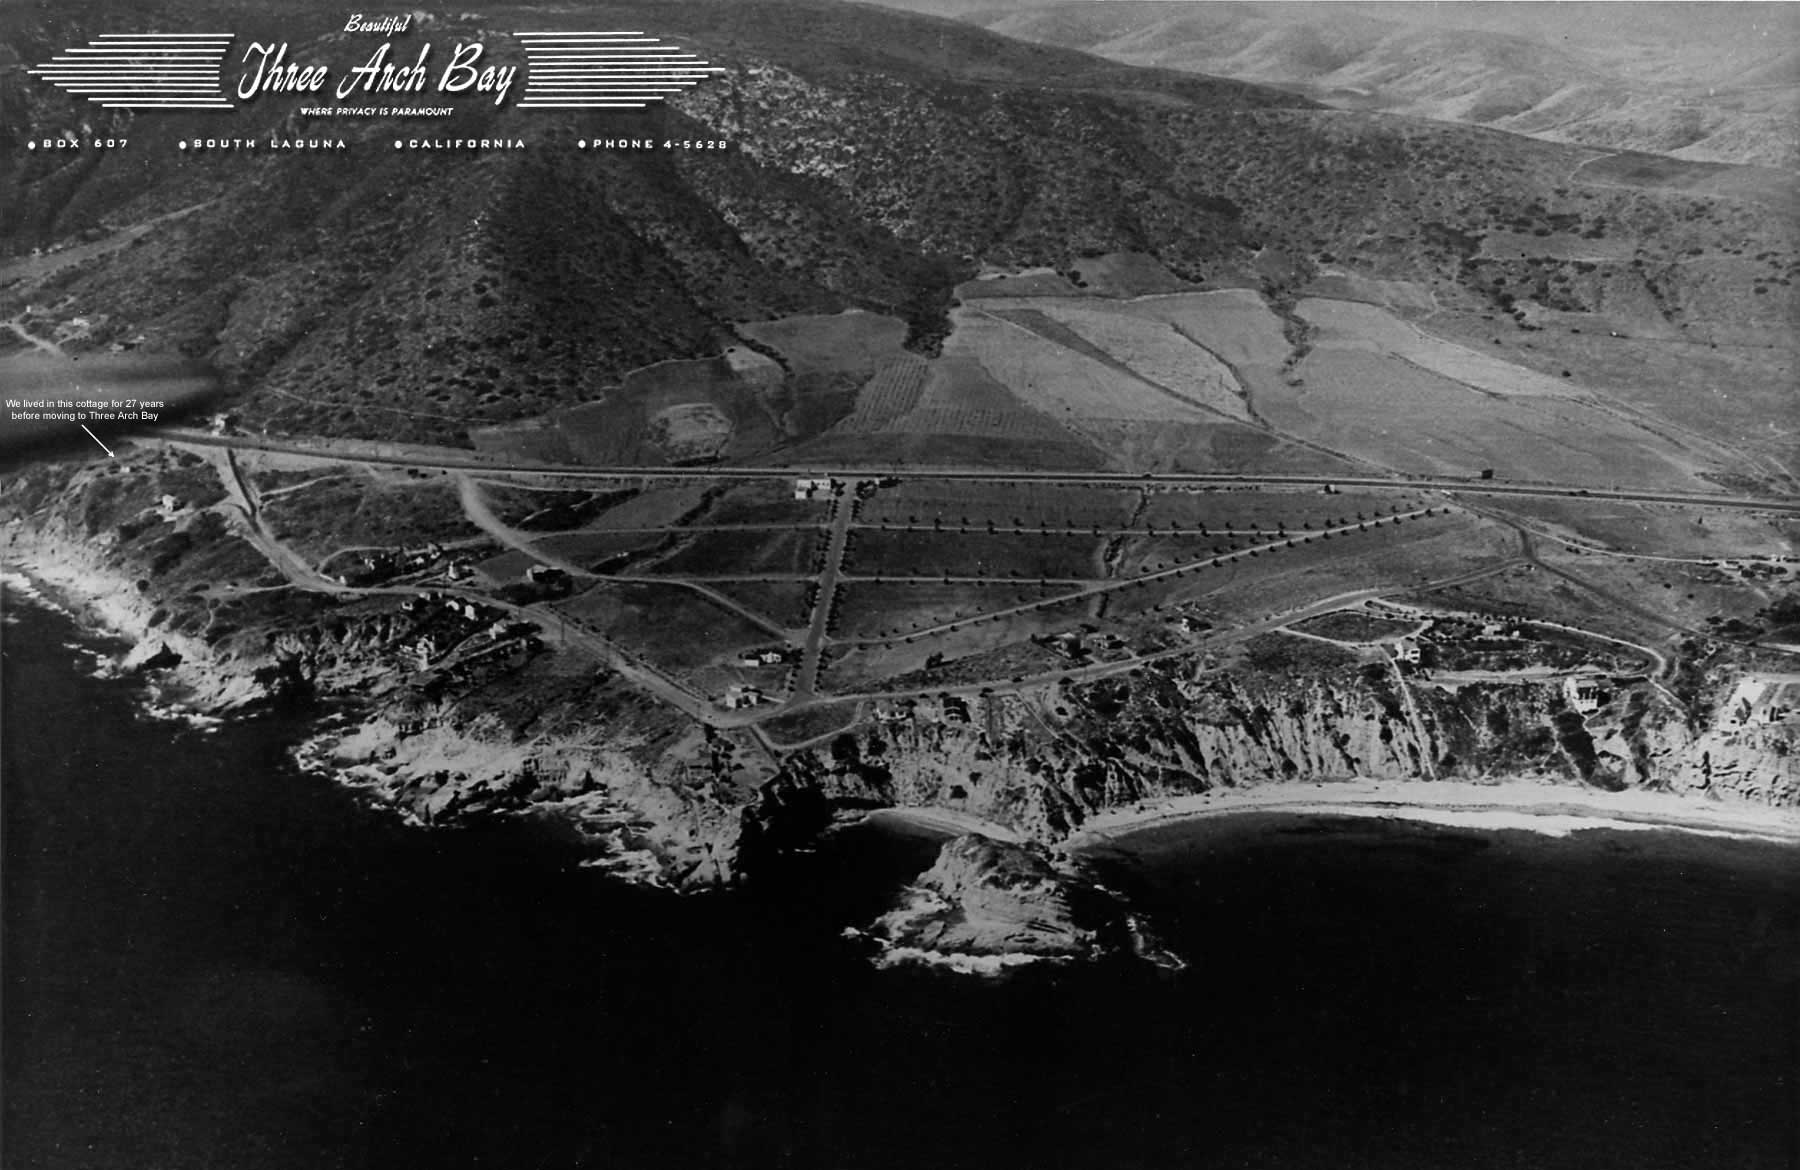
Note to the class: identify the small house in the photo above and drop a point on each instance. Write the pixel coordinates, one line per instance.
(1584, 693)
(738, 696)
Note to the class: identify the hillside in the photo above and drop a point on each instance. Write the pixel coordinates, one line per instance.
(878, 161)
(1710, 83)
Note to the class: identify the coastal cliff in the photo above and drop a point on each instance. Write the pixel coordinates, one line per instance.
(156, 553)
(1044, 764)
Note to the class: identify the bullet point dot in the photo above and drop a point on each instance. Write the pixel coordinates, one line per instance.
(582, 144)
(31, 146)
(182, 145)
(396, 144)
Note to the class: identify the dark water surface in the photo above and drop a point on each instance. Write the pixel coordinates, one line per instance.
(212, 960)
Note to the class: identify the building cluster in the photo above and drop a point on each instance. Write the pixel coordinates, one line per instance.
(755, 658)
(384, 564)
(445, 622)
(809, 488)
(1758, 702)
(741, 695)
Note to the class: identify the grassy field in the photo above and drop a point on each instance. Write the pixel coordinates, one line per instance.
(783, 602)
(550, 510)
(744, 553)
(1387, 557)
(891, 611)
(1659, 529)
(1525, 593)
(852, 342)
(366, 510)
(764, 502)
(1150, 554)
(657, 507)
(812, 722)
(1697, 597)
(1127, 274)
(1271, 511)
(1388, 411)
(996, 555)
(921, 501)
(597, 551)
(1355, 625)
(1692, 381)
(668, 412)
(1042, 282)
(674, 629)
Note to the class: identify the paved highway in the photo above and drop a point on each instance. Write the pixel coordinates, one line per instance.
(452, 461)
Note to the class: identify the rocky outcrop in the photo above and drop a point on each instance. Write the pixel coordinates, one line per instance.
(986, 904)
(525, 732)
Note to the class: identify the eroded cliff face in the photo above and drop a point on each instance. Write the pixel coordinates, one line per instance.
(521, 728)
(1041, 765)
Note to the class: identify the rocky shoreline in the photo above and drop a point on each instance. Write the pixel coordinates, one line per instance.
(668, 801)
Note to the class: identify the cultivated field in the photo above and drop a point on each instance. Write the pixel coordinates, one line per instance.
(1392, 413)
(889, 396)
(1347, 324)
(1065, 384)
(1235, 325)
(1157, 352)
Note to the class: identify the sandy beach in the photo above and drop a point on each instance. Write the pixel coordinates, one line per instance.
(1536, 807)
(944, 820)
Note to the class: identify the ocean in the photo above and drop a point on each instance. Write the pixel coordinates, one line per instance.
(213, 959)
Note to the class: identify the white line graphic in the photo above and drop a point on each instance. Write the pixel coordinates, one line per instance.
(605, 70)
(144, 70)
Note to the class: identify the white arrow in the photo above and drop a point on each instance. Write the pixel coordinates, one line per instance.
(96, 439)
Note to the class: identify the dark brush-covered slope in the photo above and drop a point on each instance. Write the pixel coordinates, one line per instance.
(876, 159)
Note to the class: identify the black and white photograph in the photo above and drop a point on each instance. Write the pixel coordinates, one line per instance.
(909, 585)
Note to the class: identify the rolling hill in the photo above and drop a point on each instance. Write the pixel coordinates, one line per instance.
(878, 160)
(1709, 82)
